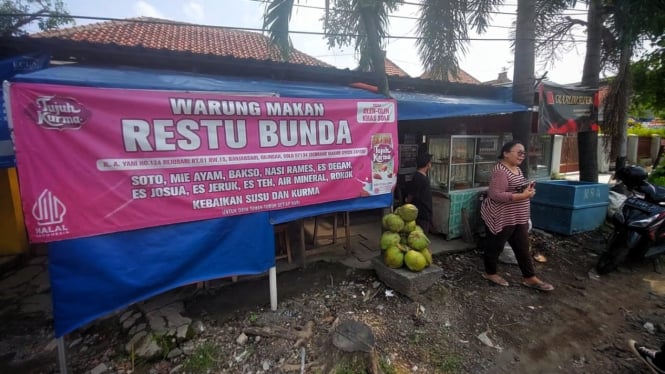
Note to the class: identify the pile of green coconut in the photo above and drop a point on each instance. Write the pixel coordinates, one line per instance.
(403, 241)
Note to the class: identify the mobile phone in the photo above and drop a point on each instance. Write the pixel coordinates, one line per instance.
(523, 187)
(530, 184)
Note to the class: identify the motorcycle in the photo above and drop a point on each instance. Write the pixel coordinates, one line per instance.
(639, 225)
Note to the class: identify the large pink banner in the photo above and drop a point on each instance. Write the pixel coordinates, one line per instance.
(101, 160)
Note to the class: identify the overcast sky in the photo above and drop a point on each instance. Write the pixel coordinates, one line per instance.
(483, 60)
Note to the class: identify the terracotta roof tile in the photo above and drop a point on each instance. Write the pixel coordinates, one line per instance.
(168, 35)
(463, 77)
(393, 69)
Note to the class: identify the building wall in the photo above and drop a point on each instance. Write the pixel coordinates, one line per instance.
(13, 238)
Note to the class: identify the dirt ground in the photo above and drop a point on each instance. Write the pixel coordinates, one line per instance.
(581, 327)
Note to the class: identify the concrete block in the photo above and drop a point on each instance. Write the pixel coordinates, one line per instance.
(405, 281)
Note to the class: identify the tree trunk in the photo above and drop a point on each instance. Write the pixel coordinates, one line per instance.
(620, 91)
(377, 55)
(587, 141)
(523, 75)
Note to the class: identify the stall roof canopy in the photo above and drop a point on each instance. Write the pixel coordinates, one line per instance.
(411, 106)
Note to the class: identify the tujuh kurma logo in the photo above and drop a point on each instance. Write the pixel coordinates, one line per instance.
(49, 212)
(381, 149)
(60, 113)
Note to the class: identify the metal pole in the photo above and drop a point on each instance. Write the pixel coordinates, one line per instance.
(272, 280)
(62, 358)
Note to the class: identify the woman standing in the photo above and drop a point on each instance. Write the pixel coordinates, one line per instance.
(506, 212)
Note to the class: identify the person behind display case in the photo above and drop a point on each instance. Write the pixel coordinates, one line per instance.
(419, 191)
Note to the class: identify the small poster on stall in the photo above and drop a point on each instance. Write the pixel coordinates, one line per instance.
(407, 158)
(565, 110)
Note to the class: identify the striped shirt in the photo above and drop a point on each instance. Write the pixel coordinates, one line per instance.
(499, 210)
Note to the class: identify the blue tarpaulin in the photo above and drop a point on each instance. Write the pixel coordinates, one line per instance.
(414, 105)
(410, 106)
(91, 277)
(8, 68)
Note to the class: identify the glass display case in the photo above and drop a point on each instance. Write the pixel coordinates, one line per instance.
(461, 162)
(540, 156)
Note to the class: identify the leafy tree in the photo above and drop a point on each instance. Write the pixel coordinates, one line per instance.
(631, 22)
(15, 15)
(648, 78)
(615, 30)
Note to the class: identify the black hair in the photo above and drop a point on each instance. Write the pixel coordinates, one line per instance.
(423, 159)
(508, 146)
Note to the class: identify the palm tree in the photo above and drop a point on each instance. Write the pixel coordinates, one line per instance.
(556, 35)
(523, 73)
(443, 30)
(365, 21)
(587, 141)
(442, 27)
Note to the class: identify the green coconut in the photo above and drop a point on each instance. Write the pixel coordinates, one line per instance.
(392, 222)
(417, 240)
(408, 212)
(403, 247)
(409, 226)
(393, 257)
(389, 238)
(402, 237)
(428, 255)
(415, 260)
(384, 220)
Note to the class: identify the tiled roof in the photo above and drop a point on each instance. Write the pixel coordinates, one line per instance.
(462, 77)
(393, 69)
(154, 33)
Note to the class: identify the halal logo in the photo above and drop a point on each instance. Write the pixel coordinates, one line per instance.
(48, 210)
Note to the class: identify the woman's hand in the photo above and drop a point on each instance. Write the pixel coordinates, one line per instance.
(529, 192)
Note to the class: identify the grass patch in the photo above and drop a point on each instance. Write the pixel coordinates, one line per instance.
(438, 354)
(204, 359)
(451, 364)
(165, 343)
(350, 364)
(417, 337)
(386, 366)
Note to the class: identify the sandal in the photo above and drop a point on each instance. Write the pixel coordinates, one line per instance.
(540, 286)
(539, 257)
(496, 279)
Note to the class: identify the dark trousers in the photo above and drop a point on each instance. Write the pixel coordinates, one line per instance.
(518, 238)
(426, 225)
